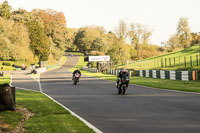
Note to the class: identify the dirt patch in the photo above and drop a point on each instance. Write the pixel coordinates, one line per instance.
(5, 128)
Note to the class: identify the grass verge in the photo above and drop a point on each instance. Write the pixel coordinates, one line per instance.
(48, 117)
(5, 79)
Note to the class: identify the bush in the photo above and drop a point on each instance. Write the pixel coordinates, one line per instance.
(7, 63)
(92, 64)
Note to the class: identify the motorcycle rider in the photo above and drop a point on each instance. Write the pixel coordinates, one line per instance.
(121, 74)
(76, 71)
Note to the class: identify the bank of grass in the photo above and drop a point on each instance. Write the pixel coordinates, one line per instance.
(48, 117)
(189, 86)
(180, 56)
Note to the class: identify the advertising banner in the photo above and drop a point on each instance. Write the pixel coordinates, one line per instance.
(99, 58)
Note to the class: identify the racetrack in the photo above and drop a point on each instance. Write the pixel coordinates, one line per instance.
(141, 110)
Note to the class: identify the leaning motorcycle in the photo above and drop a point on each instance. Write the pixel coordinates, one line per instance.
(76, 78)
(123, 85)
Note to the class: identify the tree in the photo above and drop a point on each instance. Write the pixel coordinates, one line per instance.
(24, 17)
(55, 29)
(5, 10)
(89, 39)
(173, 42)
(139, 36)
(122, 30)
(184, 33)
(71, 32)
(195, 38)
(40, 44)
(97, 44)
(15, 42)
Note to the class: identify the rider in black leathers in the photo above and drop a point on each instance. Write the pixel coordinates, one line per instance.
(76, 71)
(121, 74)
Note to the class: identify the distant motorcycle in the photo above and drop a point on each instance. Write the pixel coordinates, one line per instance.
(76, 78)
(123, 85)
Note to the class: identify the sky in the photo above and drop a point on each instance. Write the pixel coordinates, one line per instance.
(160, 16)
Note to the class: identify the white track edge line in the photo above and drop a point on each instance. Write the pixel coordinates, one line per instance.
(11, 80)
(167, 89)
(26, 89)
(72, 113)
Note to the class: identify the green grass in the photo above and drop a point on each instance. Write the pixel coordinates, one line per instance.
(189, 86)
(6, 68)
(48, 116)
(11, 117)
(178, 56)
(5, 79)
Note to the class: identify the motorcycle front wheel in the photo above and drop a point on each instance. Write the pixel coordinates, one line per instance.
(124, 90)
(75, 81)
(119, 90)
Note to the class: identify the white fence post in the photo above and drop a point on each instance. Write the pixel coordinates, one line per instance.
(185, 75)
(147, 73)
(172, 75)
(162, 74)
(154, 73)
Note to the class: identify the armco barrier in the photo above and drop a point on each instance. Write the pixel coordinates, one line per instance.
(162, 74)
(172, 75)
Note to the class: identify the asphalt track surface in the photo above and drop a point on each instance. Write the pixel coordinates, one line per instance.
(140, 110)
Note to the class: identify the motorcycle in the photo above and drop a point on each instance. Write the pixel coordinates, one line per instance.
(76, 78)
(123, 85)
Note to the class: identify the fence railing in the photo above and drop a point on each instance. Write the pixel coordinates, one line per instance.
(166, 62)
